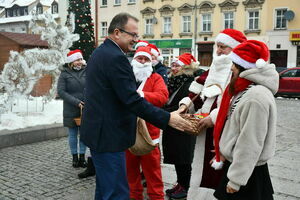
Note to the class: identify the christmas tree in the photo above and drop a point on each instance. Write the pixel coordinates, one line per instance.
(84, 26)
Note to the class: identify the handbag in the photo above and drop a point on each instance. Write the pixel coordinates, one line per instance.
(78, 119)
(143, 142)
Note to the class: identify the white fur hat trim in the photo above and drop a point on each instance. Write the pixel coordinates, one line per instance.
(154, 52)
(142, 53)
(74, 56)
(140, 44)
(226, 39)
(240, 61)
(195, 87)
(260, 63)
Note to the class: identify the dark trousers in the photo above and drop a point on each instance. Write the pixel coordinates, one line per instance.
(183, 172)
(111, 180)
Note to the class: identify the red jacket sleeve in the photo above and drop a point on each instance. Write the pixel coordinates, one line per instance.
(198, 102)
(155, 90)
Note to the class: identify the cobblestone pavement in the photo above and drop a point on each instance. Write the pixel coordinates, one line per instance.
(43, 170)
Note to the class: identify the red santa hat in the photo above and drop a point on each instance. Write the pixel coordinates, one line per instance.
(185, 59)
(231, 37)
(141, 43)
(74, 55)
(143, 51)
(250, 54)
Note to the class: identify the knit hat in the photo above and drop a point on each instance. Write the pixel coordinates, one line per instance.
(141, 43)
(231, 37)
(143, 51)
(250, 54)
(74, 55)
(185, 59)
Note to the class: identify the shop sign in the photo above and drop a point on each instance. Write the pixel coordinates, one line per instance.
(295, 36)
(183, 43)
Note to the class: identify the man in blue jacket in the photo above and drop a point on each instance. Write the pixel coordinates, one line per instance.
(112, 105)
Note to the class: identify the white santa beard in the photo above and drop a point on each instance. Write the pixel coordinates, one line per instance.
(141, 71)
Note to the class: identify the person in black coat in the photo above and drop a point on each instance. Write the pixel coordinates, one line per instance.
(112, 104)
(70, 88)
(178, 147)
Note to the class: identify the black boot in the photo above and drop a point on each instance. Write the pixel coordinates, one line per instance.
(75, 162)
(89, 171)
(82, 162)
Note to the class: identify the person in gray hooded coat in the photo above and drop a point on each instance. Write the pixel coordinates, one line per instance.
(70, 88)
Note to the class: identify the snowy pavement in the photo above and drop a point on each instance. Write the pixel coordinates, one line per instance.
(43, 170)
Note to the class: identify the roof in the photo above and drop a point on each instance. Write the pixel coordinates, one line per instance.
(20, 3)
(25, 18)
(25, 39)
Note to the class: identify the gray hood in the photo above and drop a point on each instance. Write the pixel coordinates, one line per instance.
(266, 76)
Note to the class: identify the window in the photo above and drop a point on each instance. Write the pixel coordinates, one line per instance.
(291, 73)
(117, 2)
(54, 8)
(228, 20)
(131, 1)
(149, 27)
(253, 20)
(39, 9)
(26, 11)
(280, 19)
(15, 12)
(104, 3)
(167, 25)
(103, 29)
(206, 22)
(186, 22)
(12, 29)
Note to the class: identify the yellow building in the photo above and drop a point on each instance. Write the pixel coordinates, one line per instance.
(192, 25)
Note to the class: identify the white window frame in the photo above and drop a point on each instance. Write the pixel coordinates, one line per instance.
(117, 2)
(275, 19)
(229, 19)
(206, 22)
(254, 18)
(54, 8)
(103, 4)
(104, 29)
(131, 1)
(149, 26)
(186, 24)
(167, 25)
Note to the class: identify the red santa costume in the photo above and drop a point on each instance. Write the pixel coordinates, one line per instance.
(154, 90)
(210, 86)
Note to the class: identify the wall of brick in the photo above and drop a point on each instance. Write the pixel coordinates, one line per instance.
(43, 86)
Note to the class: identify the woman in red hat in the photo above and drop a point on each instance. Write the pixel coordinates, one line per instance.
(70, 88)
(178, 147)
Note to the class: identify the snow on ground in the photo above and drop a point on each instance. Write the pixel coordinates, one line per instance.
(32, 112)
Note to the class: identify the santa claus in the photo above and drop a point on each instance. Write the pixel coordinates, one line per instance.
(151, 86)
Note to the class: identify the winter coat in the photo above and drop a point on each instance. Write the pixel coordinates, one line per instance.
(70, 88)
(248, 137)
(178, 147)
(162, 70)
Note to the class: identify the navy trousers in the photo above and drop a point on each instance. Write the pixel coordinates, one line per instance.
(111, 179)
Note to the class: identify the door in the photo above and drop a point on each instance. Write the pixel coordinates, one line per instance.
(289, 81)
(279, 57)
(205, 58)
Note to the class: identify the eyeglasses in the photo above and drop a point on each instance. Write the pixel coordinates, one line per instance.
(134, 35)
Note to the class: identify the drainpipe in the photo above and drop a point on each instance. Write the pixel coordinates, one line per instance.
(96, 23)
(196, 30)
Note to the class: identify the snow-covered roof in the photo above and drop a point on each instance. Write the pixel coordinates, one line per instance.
(25, 39)
(4, 3)
(46, 2)
(21, 18)
(21, 3)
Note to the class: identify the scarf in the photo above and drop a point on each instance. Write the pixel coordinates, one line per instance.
(240, 85)
(176, 82)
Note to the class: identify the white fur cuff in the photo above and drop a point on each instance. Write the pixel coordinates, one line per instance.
(211, 91)
(213, 115)
(195, 87)
(217, 165)
(186, 101)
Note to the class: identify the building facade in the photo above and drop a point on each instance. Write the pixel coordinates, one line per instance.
(15, 15)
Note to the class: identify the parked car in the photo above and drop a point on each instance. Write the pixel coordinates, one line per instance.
(289, 82)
